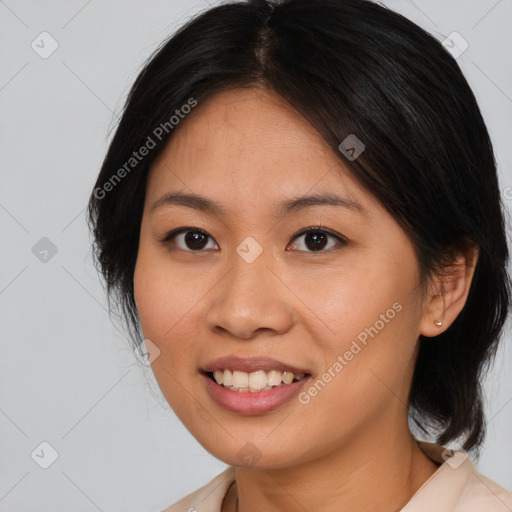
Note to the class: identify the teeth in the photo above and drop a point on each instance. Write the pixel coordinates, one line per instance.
(228, 378)
(274, 378)
(240, 379)
(287, 377)
(255, 381)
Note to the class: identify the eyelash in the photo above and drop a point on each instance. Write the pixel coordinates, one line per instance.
(312, 229)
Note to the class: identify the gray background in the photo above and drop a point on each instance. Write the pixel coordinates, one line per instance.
(67, 375)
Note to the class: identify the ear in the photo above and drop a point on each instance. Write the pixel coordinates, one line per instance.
(447, 293)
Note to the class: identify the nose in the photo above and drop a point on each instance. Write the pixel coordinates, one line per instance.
(250, 299)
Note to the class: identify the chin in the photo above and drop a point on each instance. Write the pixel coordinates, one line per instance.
(248, 452)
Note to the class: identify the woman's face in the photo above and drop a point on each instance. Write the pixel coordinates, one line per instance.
(340, 304)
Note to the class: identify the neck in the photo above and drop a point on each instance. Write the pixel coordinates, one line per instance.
(369, 471)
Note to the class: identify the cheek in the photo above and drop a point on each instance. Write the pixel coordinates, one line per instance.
(368, 328)
(165, 309)
(347, 299)
(150, 298)
(165, 297)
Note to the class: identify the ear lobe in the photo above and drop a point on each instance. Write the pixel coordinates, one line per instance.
(448, 293)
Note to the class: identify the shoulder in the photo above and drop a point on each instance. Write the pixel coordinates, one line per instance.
(457, 486)
(481, 493)
(207, 498)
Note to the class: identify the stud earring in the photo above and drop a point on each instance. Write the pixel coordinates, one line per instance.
(438, 324)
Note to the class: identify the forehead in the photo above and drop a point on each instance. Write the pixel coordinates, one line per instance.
(250, 144)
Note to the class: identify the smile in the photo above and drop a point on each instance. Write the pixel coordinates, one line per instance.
(243, 399)
(240, 381)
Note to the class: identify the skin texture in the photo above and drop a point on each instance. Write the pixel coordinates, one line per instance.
(350, 446)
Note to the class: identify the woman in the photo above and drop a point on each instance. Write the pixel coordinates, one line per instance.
(299, 214)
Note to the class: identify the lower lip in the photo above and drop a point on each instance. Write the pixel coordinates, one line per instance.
(249, 402)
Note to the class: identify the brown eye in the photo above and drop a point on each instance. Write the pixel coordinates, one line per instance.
(317, 239)
(188, 239)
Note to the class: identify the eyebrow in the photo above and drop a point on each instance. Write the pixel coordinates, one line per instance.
(206, 205)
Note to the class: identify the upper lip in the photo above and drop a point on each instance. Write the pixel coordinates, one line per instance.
(251, 364)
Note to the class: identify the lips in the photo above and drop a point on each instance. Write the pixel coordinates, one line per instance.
(253, 364)
(251, 395)
(248, 402)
